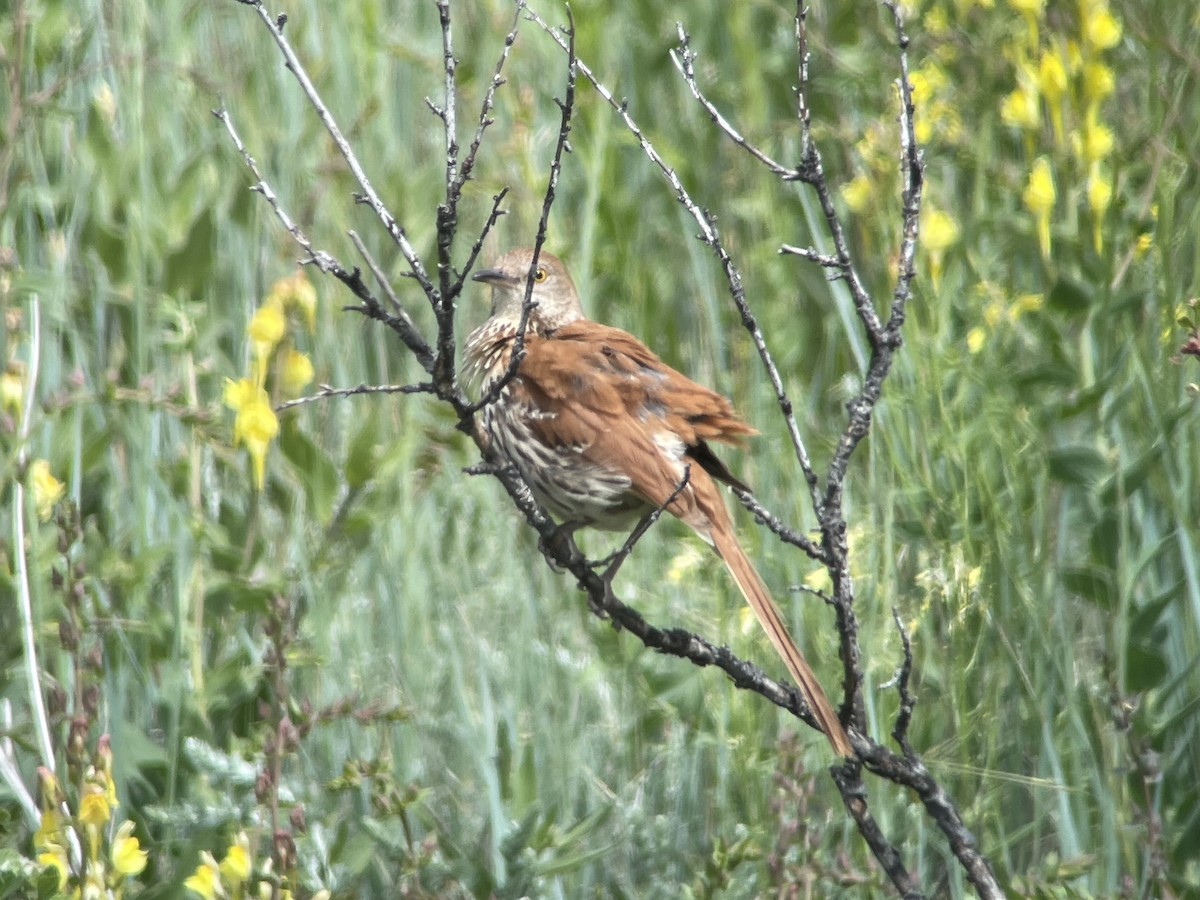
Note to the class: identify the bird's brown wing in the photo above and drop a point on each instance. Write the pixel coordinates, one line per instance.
(617, 399)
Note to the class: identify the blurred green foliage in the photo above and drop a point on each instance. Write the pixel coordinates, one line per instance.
(1027, 498)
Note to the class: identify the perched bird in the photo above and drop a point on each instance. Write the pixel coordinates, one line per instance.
(604, 432)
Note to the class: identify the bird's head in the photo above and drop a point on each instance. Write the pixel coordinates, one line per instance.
(557, 302)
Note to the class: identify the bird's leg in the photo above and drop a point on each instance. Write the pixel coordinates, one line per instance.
(613, 563)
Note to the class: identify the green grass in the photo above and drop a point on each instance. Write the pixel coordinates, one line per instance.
(1029, 508)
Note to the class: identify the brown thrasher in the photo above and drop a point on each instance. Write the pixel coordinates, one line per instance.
(604, 432)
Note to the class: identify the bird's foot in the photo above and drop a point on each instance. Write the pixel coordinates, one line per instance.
(556, 544)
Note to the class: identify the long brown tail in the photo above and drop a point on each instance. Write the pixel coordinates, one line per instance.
(759, 598)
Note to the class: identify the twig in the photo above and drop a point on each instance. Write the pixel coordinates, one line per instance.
(468, 163)
(390, 225)
(325, 391)
(812, 172)
(566, 108)
(400, 323)
(447, 212)
(907, 702)
(848, 779)
(825, 260)
(773, 523)
(382, 280)
(683, 59)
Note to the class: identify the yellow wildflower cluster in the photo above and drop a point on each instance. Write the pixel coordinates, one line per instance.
(1068, 80)
(110, 858)
(233, 877)
(937, 122)
(999, 309)
(255, 424)
(47, 490)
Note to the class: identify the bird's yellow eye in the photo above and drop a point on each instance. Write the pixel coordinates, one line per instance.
(540, 275)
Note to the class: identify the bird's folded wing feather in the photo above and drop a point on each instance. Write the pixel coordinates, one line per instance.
(620, 405)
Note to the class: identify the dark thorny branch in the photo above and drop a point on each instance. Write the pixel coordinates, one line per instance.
(905, 768)
(884, 338)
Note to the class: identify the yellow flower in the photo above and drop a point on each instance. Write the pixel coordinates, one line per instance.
(128, 858)
(49, 834)
(105, 102)
(1039, 197)
(47, 490)
(103, 767)
(296, 371)
(256, 426)
(236, 864)
(1052, 77)
(1032, 11)
(12, 391)
(1096, 143)
(975, 339)
(1101, 30)
(295, 292)
(1099, 194)
(1074, 57)
(1098, 81)
(1144, 242)
(304, 298)
(94, 886)
(238, 393)
(206, 880)
(1052, 81)
(924, 82)
(1028, 303)
(266, 330)
(857, 193)
(940, 232)
(49, 793)
(93, 808)
(995, 312)
(57, 860)
(1020, 109)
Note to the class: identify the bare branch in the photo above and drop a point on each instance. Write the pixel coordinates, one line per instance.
(489, 98)
(683, 59)
(821, 259)
(325, 391)
(326, 262)
(566, 108)
(447, 211)
(907, 702)
(850, 785)
(812, 172)
(372, 199)
(764, 516)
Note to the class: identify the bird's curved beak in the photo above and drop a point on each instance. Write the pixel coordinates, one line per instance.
(489, 276)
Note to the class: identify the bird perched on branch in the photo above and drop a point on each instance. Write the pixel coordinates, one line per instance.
(604, 433)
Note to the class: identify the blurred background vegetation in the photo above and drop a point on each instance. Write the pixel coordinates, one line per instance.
(378, 629)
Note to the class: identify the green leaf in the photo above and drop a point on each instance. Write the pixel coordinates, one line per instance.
(1092, 584)
(317, 474)
(1069, 296)
(1079, 465)
(1125, 483)
(362, 457)
(1145, 666)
